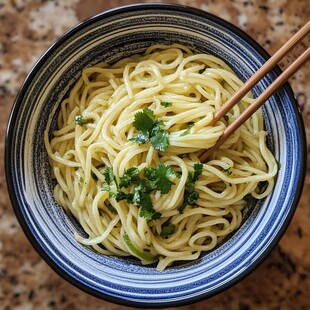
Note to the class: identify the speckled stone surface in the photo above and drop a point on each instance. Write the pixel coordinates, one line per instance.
(27, 28)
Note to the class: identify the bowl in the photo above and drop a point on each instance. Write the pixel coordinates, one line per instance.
(111, 36)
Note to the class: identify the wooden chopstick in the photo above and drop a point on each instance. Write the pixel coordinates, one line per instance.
(287, 73)
(256, 77)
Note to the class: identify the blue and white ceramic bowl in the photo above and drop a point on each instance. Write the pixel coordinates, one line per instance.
(111, 36)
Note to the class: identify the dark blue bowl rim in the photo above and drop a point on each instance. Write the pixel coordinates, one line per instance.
(19, 100)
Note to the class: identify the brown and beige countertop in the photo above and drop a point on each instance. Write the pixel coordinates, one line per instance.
(27, 28)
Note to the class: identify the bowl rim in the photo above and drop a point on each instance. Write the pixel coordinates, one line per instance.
(19, 100)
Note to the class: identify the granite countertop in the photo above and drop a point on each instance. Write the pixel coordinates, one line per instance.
(27, 28)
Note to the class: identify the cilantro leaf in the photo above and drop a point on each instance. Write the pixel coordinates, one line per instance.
(131, 175)
(167, 229)
(160, 140)
(190, 185)
(140, 195)
(140, 138)
(190, 195)
(197, 171)
(120, 195)
(142, 255)
(80, 120)
(144, 121)
(139, 189)
(106, 188)
(166, 104)
(108, 175)
(149, 129)
(160, 176)
(182, 207)
(146, 207)
(178, 174)
(149, 214)
(188, 130)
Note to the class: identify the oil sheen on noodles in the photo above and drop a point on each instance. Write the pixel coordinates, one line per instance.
(172, 207)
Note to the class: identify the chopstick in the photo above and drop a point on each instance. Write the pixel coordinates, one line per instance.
(255, 78)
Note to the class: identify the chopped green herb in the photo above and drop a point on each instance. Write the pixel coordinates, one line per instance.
(166, 104)
(142, 255)
(80, 120)
(144, 121)
(120, 195)
(108, 175)
(167, 229)
(140, 138)
(112, 195)
(160, 139)
(190, 195)
(183, 206)
(178, 174)
(141, 194)
(150, 130)
(197, 171)
(142, 197)
(278, 165)
(188, 130)
(81, 180)
(149, 213)
(105, 188)
(131, 175)
(139, 189)
(160, 176)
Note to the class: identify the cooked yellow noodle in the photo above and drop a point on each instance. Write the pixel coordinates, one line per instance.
(196, 85)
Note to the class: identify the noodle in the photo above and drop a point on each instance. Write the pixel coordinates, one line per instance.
(172, 207)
